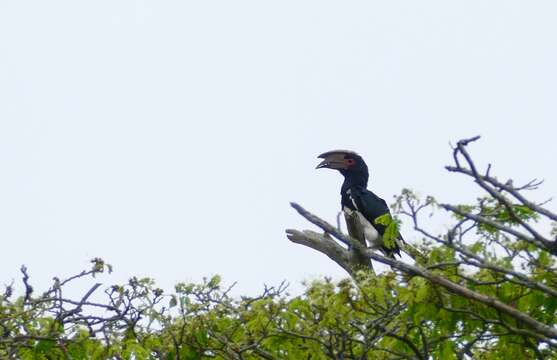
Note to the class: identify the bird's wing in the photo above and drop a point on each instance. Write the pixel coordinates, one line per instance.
(372, 207)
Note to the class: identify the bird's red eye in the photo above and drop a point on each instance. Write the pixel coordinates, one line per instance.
(350, 161)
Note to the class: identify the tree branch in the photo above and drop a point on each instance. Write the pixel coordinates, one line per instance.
(324, 245)
(542, 329)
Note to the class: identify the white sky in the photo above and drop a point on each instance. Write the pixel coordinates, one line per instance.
(168, 137)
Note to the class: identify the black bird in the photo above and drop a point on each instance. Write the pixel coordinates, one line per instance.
(361, 207)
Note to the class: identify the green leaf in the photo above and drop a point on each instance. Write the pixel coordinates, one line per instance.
(391, 230)
(422, 293)
(447, 351)
(384, 219)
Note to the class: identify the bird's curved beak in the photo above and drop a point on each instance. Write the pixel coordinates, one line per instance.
(323, 164)
(332, 160)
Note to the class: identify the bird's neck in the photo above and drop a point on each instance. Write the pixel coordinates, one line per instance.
(351, 181)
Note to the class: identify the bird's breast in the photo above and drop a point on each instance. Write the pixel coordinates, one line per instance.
(371, 234)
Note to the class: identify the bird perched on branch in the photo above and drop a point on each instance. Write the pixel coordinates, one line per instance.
(368, 218)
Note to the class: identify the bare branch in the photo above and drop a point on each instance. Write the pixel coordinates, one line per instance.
(324, 245)
(28, 288)
(484, 180)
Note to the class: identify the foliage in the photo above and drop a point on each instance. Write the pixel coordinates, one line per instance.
(484, 289)
(391, 229)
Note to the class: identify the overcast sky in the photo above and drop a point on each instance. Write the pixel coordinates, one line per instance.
(168, 137)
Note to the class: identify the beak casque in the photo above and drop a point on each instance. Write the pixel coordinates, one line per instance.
(334, 159)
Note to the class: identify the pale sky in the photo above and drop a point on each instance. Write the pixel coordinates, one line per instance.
(168, 137)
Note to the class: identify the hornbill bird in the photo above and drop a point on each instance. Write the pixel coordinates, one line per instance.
(361, 207)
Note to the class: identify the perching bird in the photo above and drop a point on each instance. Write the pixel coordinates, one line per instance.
(361, 207)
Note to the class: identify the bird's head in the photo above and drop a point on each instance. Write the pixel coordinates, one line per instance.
(349, 163)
